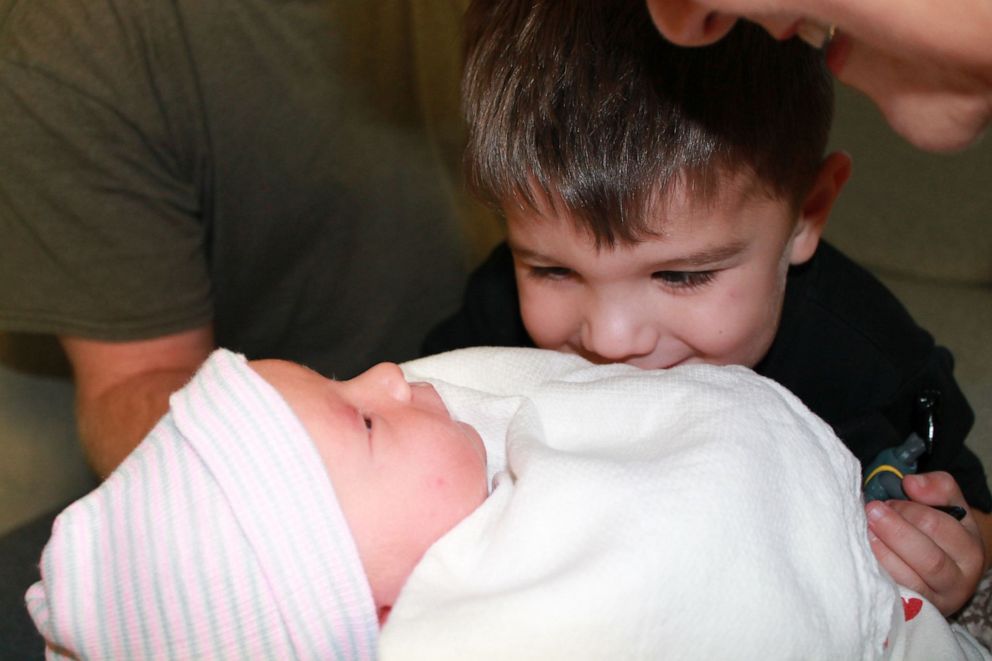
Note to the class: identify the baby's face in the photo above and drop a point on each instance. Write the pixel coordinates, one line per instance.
(403, 471)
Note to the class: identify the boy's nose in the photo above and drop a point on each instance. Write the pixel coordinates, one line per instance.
(616, 337)
(387, 379)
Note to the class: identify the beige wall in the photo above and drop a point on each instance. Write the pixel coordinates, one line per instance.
(923, 223)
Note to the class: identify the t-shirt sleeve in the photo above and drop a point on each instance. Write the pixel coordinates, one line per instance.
(103, 171)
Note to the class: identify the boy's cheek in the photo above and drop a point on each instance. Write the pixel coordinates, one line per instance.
(548, 318)
(542, 329)
(546, 330)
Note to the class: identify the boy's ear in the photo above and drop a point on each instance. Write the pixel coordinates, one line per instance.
(815, 209)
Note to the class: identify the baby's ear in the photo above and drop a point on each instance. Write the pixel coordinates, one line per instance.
(815, 209)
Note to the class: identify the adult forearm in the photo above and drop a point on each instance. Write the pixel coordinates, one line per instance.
(123, 388)
(114, 422)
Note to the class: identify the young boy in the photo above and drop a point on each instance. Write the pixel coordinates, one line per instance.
(665, 206)
(273, 513)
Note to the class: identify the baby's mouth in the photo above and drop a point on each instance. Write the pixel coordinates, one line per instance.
(426, 395)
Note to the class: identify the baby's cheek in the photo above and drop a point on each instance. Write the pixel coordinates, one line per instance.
(439, 483)
(455, 494)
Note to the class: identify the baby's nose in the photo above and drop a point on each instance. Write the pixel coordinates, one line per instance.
(388, 379)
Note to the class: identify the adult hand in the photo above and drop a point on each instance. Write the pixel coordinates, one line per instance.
(927, 66)
(925, 549)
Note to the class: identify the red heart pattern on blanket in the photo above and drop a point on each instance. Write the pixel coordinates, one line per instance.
(911, 607)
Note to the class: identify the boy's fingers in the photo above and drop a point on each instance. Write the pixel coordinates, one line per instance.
(937, 555)
(925, 567)
(904, 542)
(959, 540)
(900, 572)
(936, 488)
(964, 541)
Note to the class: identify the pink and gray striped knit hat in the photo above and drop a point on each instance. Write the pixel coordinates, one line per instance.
(219, 537)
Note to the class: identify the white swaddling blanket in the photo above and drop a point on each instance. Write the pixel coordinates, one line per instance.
(696, 513)
(699, 512)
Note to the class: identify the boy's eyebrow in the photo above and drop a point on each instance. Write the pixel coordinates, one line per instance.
(525, 253)
(709, 255)
(703, 257)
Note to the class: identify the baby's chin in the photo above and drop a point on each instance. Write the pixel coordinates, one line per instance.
(475, 439)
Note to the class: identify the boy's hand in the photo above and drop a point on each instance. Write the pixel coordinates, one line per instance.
(924, 549)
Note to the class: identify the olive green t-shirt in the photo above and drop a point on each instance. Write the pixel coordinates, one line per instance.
(287, 169)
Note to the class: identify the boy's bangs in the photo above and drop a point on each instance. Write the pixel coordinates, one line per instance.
(615, 202)
(586, 105)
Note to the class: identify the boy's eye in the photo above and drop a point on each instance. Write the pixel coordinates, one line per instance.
(550, 272)
(684, 279)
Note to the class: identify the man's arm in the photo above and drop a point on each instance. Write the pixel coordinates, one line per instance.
(123, 388)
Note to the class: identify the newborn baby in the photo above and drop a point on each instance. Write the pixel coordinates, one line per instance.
(403, 471)
(221, 535)
(274, 513)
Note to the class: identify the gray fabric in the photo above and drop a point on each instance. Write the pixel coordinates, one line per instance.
(287, 169)
(19, 553)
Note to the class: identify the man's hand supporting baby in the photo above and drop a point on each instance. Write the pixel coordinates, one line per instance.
(927, 550)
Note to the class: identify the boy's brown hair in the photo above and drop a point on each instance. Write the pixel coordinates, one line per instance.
(584, 105)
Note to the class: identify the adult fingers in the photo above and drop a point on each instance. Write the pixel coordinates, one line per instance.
(935, 107)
